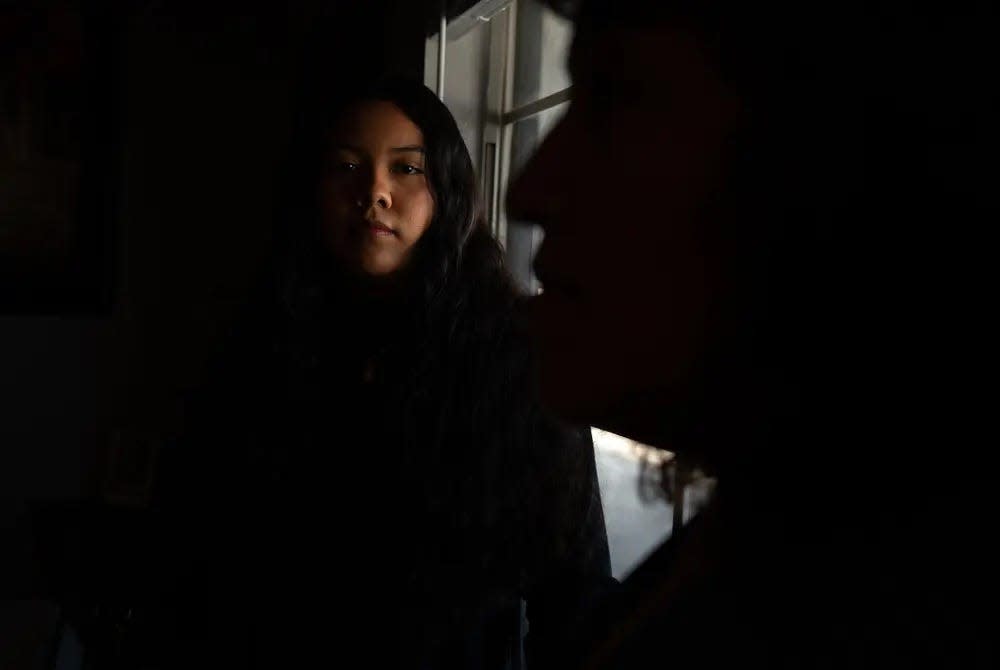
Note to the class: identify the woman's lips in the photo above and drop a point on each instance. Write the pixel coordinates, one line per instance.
(378, 229)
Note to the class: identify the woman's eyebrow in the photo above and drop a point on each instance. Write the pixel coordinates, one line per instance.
(343, 146)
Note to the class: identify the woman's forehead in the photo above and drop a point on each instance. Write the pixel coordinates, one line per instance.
(376, 123)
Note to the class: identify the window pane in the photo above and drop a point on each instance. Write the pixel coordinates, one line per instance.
(466, 78)
(637, 523)
(638, 512)
(542, 43)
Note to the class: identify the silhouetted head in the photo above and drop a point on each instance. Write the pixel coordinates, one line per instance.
(735, 210)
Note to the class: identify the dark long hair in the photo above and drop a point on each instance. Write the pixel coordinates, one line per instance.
(467, 411)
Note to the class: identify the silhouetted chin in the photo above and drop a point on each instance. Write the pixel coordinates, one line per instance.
(568, 402)
(568, 393)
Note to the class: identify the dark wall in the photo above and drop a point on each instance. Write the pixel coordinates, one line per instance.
(213, 101)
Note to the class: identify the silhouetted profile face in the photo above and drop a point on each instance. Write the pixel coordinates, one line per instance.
(621, 188)
(375, 199)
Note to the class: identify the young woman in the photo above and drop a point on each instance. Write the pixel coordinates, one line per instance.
(401, 495)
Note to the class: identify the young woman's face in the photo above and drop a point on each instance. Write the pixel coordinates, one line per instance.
(375, 200)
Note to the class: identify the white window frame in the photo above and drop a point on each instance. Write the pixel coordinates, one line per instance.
(500, 115)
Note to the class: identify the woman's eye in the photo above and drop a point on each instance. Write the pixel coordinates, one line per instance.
(341, 164)
(406, 168)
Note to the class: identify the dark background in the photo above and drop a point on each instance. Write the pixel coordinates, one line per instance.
(213, 102)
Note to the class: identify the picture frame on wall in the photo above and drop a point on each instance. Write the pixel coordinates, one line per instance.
(60, 63)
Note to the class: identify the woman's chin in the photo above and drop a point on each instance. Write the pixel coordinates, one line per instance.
(377, 269)
(377, 273)
(383, 266)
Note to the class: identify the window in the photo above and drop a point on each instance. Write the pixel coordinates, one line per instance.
(505, 81)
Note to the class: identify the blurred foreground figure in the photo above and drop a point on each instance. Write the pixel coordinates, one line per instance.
(764, 241)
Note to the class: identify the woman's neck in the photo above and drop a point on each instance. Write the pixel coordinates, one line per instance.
(376, 306)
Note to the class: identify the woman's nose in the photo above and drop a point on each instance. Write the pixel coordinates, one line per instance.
(372, 191)
(379, 193)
